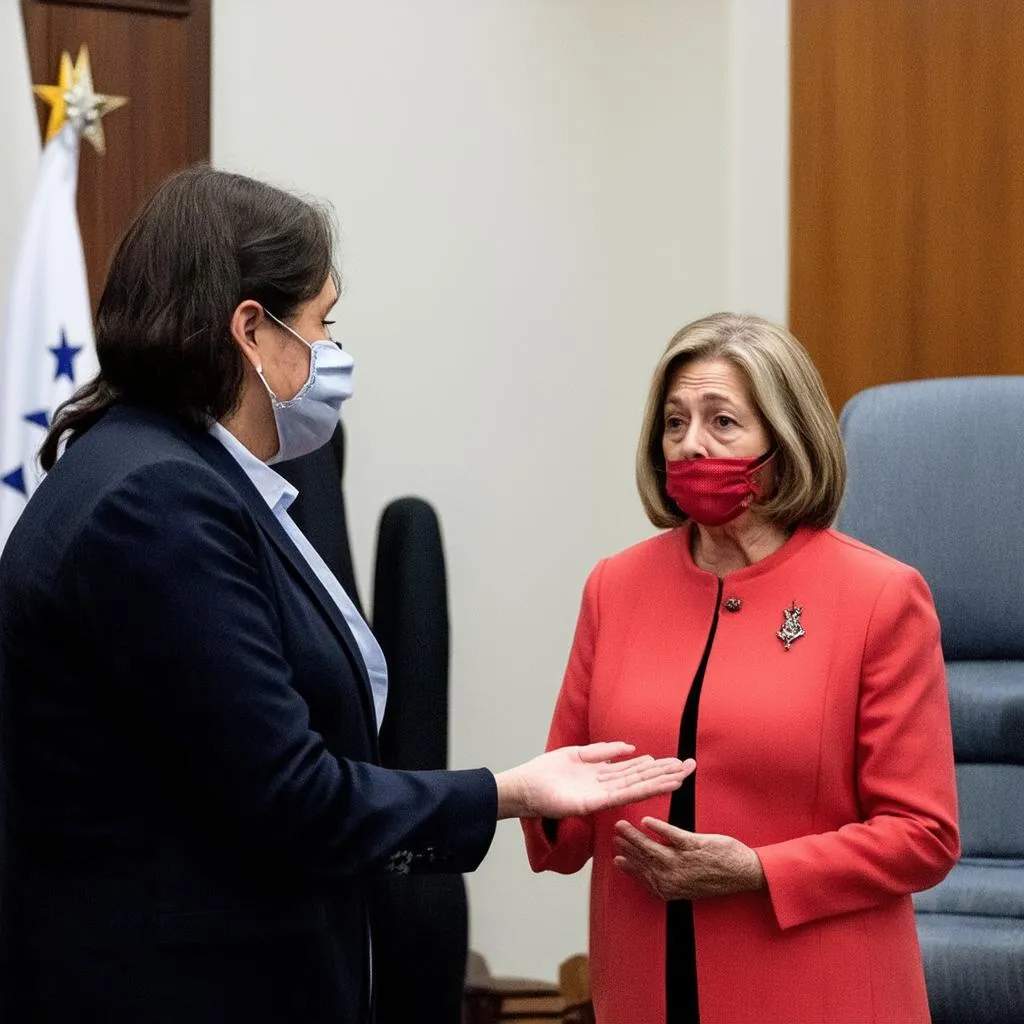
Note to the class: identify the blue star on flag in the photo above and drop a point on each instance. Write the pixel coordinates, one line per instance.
(15, 479)
(65, 355)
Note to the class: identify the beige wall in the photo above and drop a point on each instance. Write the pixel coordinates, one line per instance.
(19, 142)
(534, 194)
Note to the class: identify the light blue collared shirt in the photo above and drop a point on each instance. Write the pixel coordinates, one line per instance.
(279, 494)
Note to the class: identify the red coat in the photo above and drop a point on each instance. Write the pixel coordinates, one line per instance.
(833, 760)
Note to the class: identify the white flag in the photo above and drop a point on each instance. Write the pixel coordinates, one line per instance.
(46, 348)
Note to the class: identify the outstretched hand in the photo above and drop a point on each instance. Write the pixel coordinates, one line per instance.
(582, 780)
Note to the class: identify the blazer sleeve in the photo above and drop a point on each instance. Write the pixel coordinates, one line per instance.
(168, 580)
(566, 845)
(908, 838)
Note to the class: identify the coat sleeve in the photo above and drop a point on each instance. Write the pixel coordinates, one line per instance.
(566, 845)
(908, 838)
(168, 577)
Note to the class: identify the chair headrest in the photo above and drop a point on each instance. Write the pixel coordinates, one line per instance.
(937, 480)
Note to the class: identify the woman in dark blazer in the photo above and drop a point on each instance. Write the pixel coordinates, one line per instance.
(190, 702)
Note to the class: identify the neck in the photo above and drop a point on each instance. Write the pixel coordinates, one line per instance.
(252, 421)
(746, 540)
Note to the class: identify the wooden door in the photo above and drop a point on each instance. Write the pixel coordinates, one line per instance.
(907, 191)
(157, 53)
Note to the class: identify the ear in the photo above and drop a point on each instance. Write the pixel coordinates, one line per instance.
(245, 321)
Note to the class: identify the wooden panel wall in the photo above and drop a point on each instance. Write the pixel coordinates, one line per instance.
(907, 188)
(155, 52)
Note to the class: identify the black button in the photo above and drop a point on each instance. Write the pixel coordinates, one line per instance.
(733, 604)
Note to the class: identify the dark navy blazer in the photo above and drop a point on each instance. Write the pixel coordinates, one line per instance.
(188, 749)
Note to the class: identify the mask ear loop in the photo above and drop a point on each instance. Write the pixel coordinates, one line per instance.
(291, 330)
(295, 334)
(757, 491)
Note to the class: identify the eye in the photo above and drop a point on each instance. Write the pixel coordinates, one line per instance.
(328, 323)
(723, 422)
(673, 422)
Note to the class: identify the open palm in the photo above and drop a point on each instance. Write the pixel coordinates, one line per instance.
(582, 780)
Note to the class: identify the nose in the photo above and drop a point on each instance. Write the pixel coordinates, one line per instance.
(692, 444)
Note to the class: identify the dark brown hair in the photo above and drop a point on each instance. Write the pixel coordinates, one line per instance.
(206, 241)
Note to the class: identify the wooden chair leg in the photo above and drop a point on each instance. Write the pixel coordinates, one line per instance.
(574, 984)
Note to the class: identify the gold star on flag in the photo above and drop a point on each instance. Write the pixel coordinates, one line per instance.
(73, 99)
(55, 95)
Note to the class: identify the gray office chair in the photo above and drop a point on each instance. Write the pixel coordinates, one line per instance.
(937, 480)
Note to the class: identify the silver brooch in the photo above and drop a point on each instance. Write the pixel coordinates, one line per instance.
(791, 628)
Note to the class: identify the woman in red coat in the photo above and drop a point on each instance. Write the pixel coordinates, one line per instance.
(803, 671)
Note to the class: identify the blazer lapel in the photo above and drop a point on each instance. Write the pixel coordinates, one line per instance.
(220, 458)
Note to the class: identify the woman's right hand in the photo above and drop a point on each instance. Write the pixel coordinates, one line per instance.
(581, 780)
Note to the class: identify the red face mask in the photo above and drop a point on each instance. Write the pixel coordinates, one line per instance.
(713, 492)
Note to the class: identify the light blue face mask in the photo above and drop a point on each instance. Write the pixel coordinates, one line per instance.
(307, 421)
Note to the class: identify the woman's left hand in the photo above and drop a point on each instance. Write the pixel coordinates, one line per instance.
(686, 865)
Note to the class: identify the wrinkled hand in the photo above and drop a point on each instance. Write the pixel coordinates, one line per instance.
(685, 865)
(582, 780)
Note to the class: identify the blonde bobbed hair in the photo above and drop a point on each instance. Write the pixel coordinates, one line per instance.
(786, 388)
